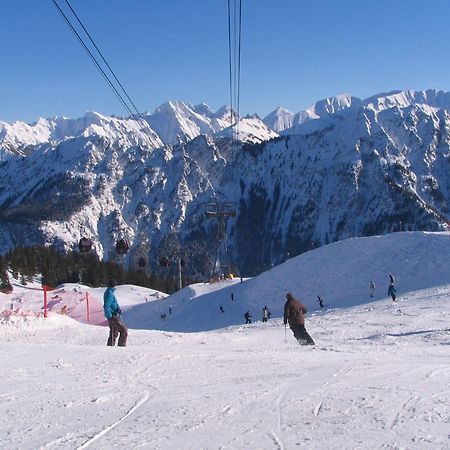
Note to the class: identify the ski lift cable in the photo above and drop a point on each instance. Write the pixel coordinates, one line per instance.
(138, 116)
(238, 101)
(234, 56)
(94, 60)
(103, 58)
(230, 66)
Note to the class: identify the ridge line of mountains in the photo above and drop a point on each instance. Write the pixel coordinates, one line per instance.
(344, 167)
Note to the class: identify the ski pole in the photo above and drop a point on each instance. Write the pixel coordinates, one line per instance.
(285, 334)
(318, 324)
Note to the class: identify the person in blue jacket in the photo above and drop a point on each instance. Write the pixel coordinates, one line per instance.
(113, 314)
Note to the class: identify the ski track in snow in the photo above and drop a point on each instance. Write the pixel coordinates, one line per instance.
(106, 430)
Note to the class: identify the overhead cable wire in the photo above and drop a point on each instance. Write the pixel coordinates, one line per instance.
(94, 60)
(136, 116)
(230, 66)
(234, 55)
(238, 100)
(103, 58)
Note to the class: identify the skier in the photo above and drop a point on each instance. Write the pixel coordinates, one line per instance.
(320, 301)
(221, 309)
(265, 314)
(294, 313)
(371, 288)
(248, 317)
(232, 296)
(113, 314)
(392, 291)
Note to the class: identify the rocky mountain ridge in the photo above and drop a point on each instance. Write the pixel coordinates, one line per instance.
(345, 168)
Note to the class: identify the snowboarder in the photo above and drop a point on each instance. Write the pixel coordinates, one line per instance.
(221, 309)
(371, 288)
(248, 317)
(294, 313)
(320, 301)
(232, 296)
(113, 314)
(265, 314)
(392, 291)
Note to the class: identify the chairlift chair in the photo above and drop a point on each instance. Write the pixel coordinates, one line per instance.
(164, 262)
(142, 262)
(122, 247)
(85, 245)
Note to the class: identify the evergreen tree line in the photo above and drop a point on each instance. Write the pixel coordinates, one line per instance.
(57, 268)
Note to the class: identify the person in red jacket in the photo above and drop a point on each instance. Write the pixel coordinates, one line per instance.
(294, 314)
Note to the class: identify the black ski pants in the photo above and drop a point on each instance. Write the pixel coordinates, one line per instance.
(117, 328)
(302, 335)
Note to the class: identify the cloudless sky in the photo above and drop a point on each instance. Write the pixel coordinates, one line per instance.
(294, 53)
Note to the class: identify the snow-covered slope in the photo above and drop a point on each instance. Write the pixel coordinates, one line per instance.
(17, 136)
(177, 122)
(375, 379)
(340, 273)
(280, 119)
(250, 129)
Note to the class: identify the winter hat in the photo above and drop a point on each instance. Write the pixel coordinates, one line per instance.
(112, 283)
(289, 296)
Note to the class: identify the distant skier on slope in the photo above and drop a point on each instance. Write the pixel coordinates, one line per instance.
(265, 314)
(113, 314)
(320, 301)
(392, 291)
(248, 317)
(371, 288)
(294, 313)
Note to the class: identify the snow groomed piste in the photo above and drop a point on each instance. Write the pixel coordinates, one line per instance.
(377, 377)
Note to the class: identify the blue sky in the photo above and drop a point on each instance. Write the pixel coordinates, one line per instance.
(294, 52)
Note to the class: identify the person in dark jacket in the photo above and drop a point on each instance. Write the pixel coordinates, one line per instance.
(371, 288)
(113, 314)
(248, 317)
(265, 314)
(320, 301)
(294, 314)
(392, 291)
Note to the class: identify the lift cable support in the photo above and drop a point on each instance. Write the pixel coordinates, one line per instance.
(137, 116)
(220, 211)
(234, 58)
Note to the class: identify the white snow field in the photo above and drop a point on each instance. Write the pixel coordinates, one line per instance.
(378, 377)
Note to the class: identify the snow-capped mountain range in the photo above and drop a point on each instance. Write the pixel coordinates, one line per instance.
(344, 167)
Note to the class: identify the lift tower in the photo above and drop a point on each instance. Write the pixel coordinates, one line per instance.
(220, 211)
